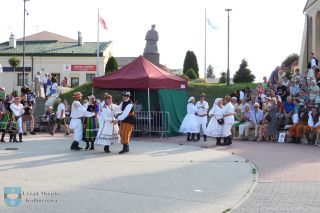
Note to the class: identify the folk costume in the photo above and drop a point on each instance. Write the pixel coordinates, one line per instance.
(296, 131)
(215, 129)
(228, 121)
(127, 120)
(108, 132)
(202, 116)
(17, 111)
(8, 122)
(90, 124)
(313, 126)
(77, 113)
(190, 123)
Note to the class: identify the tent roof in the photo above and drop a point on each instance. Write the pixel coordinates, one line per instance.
(140, 74)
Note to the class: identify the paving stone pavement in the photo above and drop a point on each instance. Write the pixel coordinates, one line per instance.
(289, 175)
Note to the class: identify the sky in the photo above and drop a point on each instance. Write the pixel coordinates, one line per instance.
(264, 32)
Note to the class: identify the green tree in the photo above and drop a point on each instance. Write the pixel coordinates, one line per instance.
(290, 60)
(223, 78)
(190, 61)
(210, 72)
(111, 65)
(14, 63)
(243, 75)
(191, 74)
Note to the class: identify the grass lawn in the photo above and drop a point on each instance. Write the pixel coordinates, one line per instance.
(211, 90)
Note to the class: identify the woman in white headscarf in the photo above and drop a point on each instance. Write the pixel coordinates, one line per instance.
(190, 122)
(215, 129)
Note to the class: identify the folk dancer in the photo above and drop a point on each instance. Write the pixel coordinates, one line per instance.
(108, 131)
(90, 124)
(202, 112)
(77, 113)
(228, 120)
(215, 129)
(18, 111)
(127, 120)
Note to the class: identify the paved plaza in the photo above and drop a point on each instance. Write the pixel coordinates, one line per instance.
(153, 177)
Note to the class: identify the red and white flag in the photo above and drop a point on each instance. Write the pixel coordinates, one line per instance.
(103, 23)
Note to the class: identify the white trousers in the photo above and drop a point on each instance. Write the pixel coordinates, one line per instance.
(202, 121)
(19, 125)
(244, 129)
(76, 125)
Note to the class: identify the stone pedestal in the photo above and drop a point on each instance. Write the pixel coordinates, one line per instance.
(153, 58)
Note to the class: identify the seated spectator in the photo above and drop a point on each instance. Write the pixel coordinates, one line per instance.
(304, 98)
(297, 130)
(272, 120)
(256, 118)
(48, 119)
(295, 89)
(282, 91)
(288, 107)
(27, 116)
(234, 101)
(313, 91)
(242, 104)
(297, 76)
(311, 74)
(245, 124)
(237, 121)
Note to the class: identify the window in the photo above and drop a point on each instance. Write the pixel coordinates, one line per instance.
(57, 75)
(20, 79)
(89, 77)
(74, 82)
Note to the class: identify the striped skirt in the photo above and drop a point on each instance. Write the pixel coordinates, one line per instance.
(90, 129)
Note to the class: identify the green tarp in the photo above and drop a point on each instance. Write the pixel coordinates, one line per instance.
(168, 100)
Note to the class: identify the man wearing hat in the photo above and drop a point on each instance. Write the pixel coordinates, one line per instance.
(77, 113)
(127, 121)
(202, 112)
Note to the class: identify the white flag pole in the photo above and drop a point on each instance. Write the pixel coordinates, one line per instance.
(205, 43)
(98, 45)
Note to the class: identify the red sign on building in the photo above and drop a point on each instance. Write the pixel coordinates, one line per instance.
(83, 68)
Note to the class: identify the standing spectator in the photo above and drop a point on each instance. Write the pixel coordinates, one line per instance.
(137, 106)
(256, 118)
(272, 120)
(44, 81)
(295, 89)
(313, 91)
(265, 83)
(61, 117)
(27, 116)
(54, 86)
(37, 84)
(314, 60)
(64, 82)
(49, 83)
(274, 77)
(311, 74)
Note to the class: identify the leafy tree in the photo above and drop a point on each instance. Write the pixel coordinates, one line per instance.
(190, 61)
(14, 63)
(111, 65)
(210, 72)
(243, 75)
(191, 74)
(289, 60)
(223, 78)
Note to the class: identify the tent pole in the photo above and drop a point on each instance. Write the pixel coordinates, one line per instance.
(149, 114)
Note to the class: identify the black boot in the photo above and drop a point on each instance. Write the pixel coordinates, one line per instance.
(2, 137)
(204, 138)
(92, 146)
(188, 138)
(293, 139)
(308, 138)
(124, 149)
(87, 146)
(193, 137)
(297, 139)
(198, 137)
(75, 146)
(15, 138)
(106, 149)
(11, 137)
(229, 139)
(20, 137)
(218, 143)
(225, 141)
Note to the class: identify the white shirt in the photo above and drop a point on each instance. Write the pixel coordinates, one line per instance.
(202, 107)
(44, 80)
(310, 74)
(310, 121)
(228, 109)
(78, 111)
(61, 108)
(191, 108)
(17, 109)
(54, 86)
(313, 62)
(125, 112)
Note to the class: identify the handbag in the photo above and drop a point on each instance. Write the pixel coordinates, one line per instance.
(220, 121)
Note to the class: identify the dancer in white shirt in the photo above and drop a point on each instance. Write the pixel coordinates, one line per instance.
(190, 123)
(17, 110)
(202, 115)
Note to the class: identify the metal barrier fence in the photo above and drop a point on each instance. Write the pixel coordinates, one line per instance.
(152, 122)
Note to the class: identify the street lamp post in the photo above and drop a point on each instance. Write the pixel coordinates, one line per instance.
(1, 70)
(228, 68)
(24, 41)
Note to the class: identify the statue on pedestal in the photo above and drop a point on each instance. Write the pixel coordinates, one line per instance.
(152, 38)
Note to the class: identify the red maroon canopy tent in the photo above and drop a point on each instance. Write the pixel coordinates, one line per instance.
(140, 74)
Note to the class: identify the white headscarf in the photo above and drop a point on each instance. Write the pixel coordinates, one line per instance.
(215, 105)
(190, 99)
